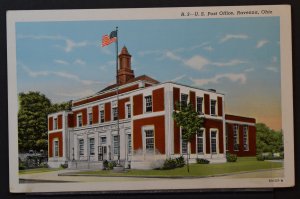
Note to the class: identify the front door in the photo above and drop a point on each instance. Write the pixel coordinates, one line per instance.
(102, 153)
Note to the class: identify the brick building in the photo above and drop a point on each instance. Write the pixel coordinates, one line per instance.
(88, 134)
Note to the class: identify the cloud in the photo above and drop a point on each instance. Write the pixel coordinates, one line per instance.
(261, 43)
(249, 70)
(230, 63)
(196, 62)
(274, 59)
(70, 45)
(208, 48)
(172, 56)
(178, 78)
(234, 77)
(272, 68)
(79, 62)
(66, 75)
(59, 61)
(41, 37)
(74, 94)
(232, 36)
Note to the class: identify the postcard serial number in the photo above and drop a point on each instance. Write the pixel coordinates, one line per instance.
(226, 13)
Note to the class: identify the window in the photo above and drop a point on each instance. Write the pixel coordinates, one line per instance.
(213, 141)
(79, 120)
(128, 110)
(245, 138)
(199, 105)
(183, 144)
(116, 144)
(56, 148)
(235, 137)
(102, 116)
(129, 144)
(92, 146)
(115, 113)
(102, 140)
(184, 99)
(148, 103)
(213, 107)
(90, 118)
(200, 142)
(55, 124)
(81, 147)
(149, 139)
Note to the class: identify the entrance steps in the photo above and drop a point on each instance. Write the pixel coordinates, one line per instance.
(85, 165)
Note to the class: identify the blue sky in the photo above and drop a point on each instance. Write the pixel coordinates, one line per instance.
(239, 57)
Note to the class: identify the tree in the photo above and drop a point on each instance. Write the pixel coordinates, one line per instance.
(34, 108)
(268, 140)
(188, 119)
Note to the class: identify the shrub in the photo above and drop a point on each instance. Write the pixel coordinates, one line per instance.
(169, 164)
(231, 157)
(202, 161)
(22, 166)
(64, 166)
(180, 161)
(111, 165)
(260, 157)
(45, 165)
(105, 165)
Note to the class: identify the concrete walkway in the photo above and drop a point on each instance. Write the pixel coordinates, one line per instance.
(55, 176)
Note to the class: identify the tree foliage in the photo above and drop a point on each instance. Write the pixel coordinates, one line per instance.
(34, 108)
(190, 122)
(268, 140)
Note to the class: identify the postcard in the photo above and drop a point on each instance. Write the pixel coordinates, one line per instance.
(150, 99)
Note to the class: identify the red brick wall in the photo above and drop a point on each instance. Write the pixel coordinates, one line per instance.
(159, 132)
(251, 140)
(50, 123)
(59, 122)
(71, 120)
(206, 104)
(121, 107)
(193, 99)
(84, 116)
(220, 106)
(95, 111)
(60, 144)
(240, 119)
(176, 96)
(217, 124)
(107, 112)
(158, 100)
(138, 104)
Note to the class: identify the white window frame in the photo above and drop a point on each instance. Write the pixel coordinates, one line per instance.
(116, 145)
(101, 141)
(144, 129)
(203, 142)
(182, 144)
(236, 139)
(146, 103)
(198, 111)
(217, 141)
(91, 146)
(128, 111)
(81, 147)
(55, 123)
(187, 98)
(79, 115)
(246, 141)
(55, 147)
(215, 107)
(90, 118)
(101, 110)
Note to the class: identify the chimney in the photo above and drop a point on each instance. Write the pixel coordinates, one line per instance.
(124, 72)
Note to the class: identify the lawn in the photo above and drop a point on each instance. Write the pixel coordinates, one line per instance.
(197, 170)
(37, 170)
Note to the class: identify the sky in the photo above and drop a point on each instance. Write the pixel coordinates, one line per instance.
(239, 57)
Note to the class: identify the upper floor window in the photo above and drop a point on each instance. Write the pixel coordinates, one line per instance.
(128, 110)
(115, 113)
(90, 118)
(199, 105)
(55, 124)
(184, 99)
(213, 107)
(148, 103)
(79, 120)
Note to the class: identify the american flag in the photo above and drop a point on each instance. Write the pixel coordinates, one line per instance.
(108, 39)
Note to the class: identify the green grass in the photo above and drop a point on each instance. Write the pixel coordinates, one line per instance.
(38, 170)
(197, 170)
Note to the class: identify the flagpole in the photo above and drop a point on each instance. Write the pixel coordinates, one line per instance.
(118, 124)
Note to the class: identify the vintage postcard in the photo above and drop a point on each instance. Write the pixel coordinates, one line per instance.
(150, 99)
